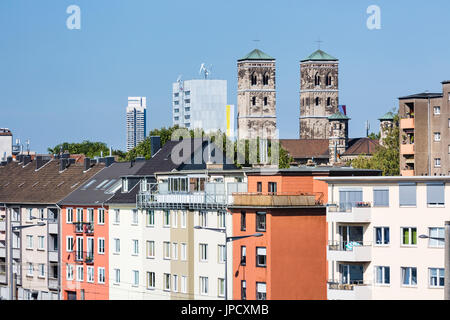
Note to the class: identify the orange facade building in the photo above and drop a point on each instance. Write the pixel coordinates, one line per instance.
(289, 260)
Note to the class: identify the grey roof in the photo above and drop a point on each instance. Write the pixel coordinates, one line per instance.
(313, 170)
(98, 189)
(424, 95)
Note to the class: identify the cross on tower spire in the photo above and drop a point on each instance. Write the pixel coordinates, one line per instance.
(319, 42)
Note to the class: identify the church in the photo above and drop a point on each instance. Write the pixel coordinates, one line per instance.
(323, 126)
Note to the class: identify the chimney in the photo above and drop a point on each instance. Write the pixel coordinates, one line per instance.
(109, 161)
(26, 160)
(9, 159)
(41, 160)
(155, 145)
(62, 164)
(87, 164)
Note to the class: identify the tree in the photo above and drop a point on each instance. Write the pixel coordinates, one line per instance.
(88, 148)
(387, 156)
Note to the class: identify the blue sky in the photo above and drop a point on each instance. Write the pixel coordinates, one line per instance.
(69, 85)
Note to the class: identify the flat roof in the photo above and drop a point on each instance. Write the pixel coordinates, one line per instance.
(384, 179)
(424, 95)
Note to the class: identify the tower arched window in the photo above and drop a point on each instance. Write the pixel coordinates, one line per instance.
(265, 101)
(265, 79)
(328, 101)
(317, 101)
(328, 79)
(317, 80)
(254, 101)
(253, 79)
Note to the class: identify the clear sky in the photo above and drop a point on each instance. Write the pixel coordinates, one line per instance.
(61, 85)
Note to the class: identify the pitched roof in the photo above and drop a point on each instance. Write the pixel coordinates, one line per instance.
(424, 95)
(320, 55)
(25, 184)
(257, 55)
(102, 186)
(338, 116)
(361, 146)
(306, 148)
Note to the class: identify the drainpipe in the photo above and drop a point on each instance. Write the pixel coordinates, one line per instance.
(59, 251)
(428, 133)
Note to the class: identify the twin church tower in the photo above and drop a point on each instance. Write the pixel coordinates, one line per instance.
(319, 98)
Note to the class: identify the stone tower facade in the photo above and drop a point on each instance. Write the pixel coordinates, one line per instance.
(338, 136)
(256, 96)
(386, 123)
(319, 94)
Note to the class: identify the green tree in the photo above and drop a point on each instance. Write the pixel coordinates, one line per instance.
(387, 156)
(88, 148)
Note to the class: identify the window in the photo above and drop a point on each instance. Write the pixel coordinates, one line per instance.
(409, 276)
(272, 187)
(243, 221)
(254, 101)
(174, 251)
(167, 281)
(135, 278)
(260, 291)
(184, 251)
(243, 290)
(265, 101)
(116, 245)
(437, 136)
(124, 185)
(90, 215)
(101, 216)
(30, 270)
(382, 236)
(30, 214)
(381, 197)
(439, 237)
(80, 273)
(101, 275)
(40, 242)
(166, 218)
(265, 79)
(221, 287)
(260, 221)
(328, 101)
(150, 218)
(90, 274)
(203, 216)
(79, 214)
(29, 242)
(436, 276)
(382, 275)
(116, 276)
(101, 245)
(175, 219)
(183, 284)
(437, 162)
(166, 248)
(409, 236)
(317, 101)
(435, 194)
(203, 252)
(243, 255)
(150, 280)
(437, 111)
(116, 216)
(260, 256)
(135, 217)
(317, 80)
(203, 285)
(222, 219)
(135, 249)
(253, 79)
(221, 253)
(69, 272)
(175, 283)
(407, 194)
(69, 243)
(150, 249)
(259, 187)
(41, 214)
(183, 219)
(69, 215)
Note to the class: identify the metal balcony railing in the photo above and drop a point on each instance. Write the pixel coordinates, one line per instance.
(347, 206)
(347, 245)
(84, 256)
(84, 227)
(338, 285)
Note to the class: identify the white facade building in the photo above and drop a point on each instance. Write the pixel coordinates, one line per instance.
(374, 249)
(5, 143)
(200, 104)
(136, 121)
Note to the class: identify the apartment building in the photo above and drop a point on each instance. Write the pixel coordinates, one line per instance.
(425, 133)
(85, 239)
(288, 208)
(6, 143)
(374, 226)
(30, 229)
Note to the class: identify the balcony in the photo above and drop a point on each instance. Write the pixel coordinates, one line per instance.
(53, 283)
(84, 227)
(407, 123)
(53, 256)
(16, 253)
(352, 251)
(274, 200)
(356, 291)
(407, 173)
(2, 252)
(2, 226)
(407, 149)
(3, 278)
(84, 257)
(53, 228)
(357, 212)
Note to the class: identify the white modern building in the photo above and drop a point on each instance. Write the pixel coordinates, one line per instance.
(6, 139)
(374, 226)
(201, 104)
(136, 121)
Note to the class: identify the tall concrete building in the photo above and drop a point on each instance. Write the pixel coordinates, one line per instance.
(424, 133)
(136, 121)
(256, 96)
(319, 94)
(200, 104)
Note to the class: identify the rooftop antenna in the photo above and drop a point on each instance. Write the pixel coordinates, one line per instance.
(319, 42)
(28, 146)
(180, 82)
(367, 128)
(206, 71)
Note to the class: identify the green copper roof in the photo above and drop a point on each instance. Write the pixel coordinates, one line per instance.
(320, 55)
(387, 116)
(338, 116)
(257, 55)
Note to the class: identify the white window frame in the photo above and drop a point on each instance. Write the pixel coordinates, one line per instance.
(101, 216)
(101, 274)
(101, 246)
(175, 283)
(80, 273)
(30, 270)
(203, 252)
(166, 250)
(204, 286)
(430, 285)
(29, 242)
(175, 251)
(410, 237)
(116, 216)
(221, 287)
(150, 249)
(383, 269)
(69, 272)
(69, 243)
(167, 281)
(439, 241)
(221, 253)
(437, 137)
(183, 284)
(410, 278)
(166, 214)
(203, 219)
(151, 280)
(437, 162)
(90, 215)
(382, 237)
(135, 217)
(150, 218)
(135, 280)
(41, 243)
(436, 110)
(29, 214)
(90, 274)
(174, 219)
(116, 246)
(135, 247)
(116, 276)
(183, 253)
(222, 220)
(69, 215)
(183, 219)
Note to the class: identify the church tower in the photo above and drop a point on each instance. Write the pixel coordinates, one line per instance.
(338, 136)
(386, 124)
(256, 96)
(319, 94)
